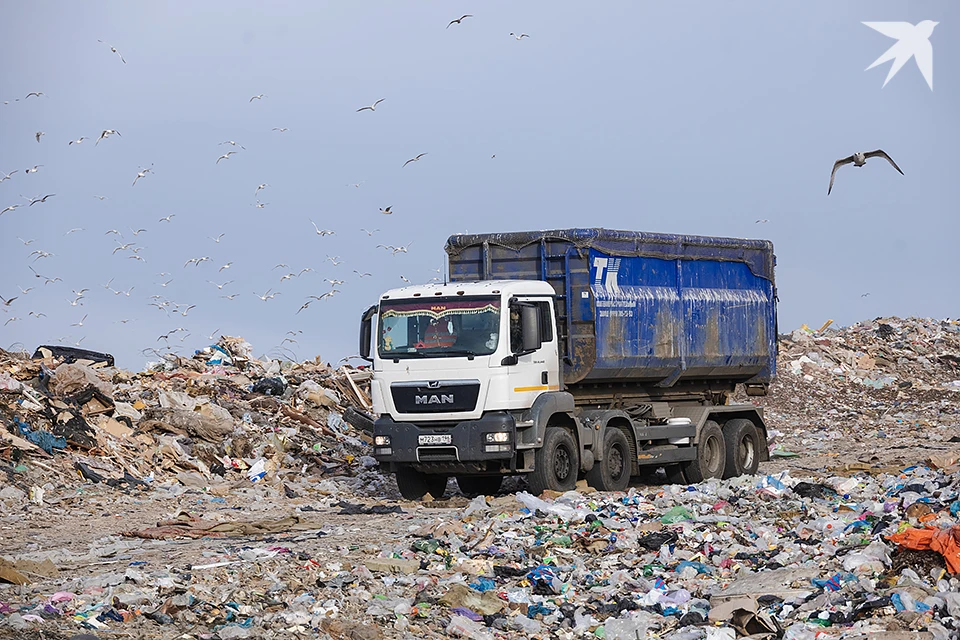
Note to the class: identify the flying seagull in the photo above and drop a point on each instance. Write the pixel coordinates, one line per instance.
(258, 97)
(413, 159)
(259, 188)
(114, 50)
(859, 159)
(321, 232)
(522, 35)
(34, 201)
(387, 211)
(40, 133)
(78, 140)
(231, 142)
(7, 176)
(141, 174)
(106, 134)
(225, 156)
(167, 218)
(35, 93)
(280, 129)
(35, 168)
(10, 208)
(764, 221)
(372, 107)
(459, 20)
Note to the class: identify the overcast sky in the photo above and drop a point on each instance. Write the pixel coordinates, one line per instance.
(678, 117)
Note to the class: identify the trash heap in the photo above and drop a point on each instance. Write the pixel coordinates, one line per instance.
(280, 526)
(866, 391)
(203, 421)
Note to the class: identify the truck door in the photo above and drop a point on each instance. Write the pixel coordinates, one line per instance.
(538, 370)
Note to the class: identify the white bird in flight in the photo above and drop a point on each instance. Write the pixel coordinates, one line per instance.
(369, 233)
(258, 97)
(913, 41)
(266, 296)
(260, 187)
(522, 35)
(78, 140)
(459, 20)
(79, 324)
(40, 133)
(231, 142)
(220, 286)
(7, 176)
(141, 174)
(106, 134)
(225, 156)
(372, 107)
(281, 129)
(101, 198)
(321, 232)
(362, 275)
(858, 160)
(35, 168)
(10, 208)
(413, 159)
(387, 211)
(114, 50)
(167, 219)
(217, 239)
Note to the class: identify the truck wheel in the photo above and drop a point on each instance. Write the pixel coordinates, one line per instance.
(556, 464)
(711, 455)
(742, 448)
(613, 472)
(414, 485)
(473, 486)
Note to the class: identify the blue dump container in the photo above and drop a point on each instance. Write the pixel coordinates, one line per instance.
(651, 308)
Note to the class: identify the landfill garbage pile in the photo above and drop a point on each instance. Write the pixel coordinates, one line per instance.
(875, 392)
(851, 531)
(219, 417)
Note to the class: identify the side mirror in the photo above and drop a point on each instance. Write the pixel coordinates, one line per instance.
(530, 327)
(366, 332)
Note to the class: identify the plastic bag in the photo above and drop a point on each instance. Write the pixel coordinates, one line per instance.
(562, 511)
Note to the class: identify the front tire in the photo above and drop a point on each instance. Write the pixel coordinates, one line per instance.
(414, 485)
(711, 455)
(613, 472)
(556, 463)
(742, 440)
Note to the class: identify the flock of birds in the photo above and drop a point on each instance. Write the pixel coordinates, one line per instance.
(125, 245)
(163, 303)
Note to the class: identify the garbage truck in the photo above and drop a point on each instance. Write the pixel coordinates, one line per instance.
(574, 354)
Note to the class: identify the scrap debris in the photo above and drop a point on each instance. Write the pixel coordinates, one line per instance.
(228, 497)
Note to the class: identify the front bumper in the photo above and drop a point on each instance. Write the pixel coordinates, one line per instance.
(467, 440)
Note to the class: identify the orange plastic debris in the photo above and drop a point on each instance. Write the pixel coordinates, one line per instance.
(946, 542)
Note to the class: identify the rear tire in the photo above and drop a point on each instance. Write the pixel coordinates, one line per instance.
(556, 463)
(413, 485)
(613, 472)
(742, 445)
(473, 486)
(711, 455)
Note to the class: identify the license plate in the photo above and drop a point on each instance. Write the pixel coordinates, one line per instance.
(435, 439)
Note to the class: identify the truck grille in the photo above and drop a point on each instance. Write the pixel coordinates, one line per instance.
(435, 396)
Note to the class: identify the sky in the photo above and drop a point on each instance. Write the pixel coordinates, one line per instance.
(678, 117)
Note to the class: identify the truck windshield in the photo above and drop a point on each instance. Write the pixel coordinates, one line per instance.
(439, 327)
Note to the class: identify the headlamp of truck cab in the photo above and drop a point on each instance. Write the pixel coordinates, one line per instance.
(498, 436)
(382, 441)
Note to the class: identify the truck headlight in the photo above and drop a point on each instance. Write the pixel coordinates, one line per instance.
(382, 441)
(498, 436)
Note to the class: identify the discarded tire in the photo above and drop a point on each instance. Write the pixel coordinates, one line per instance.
(742, 447)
